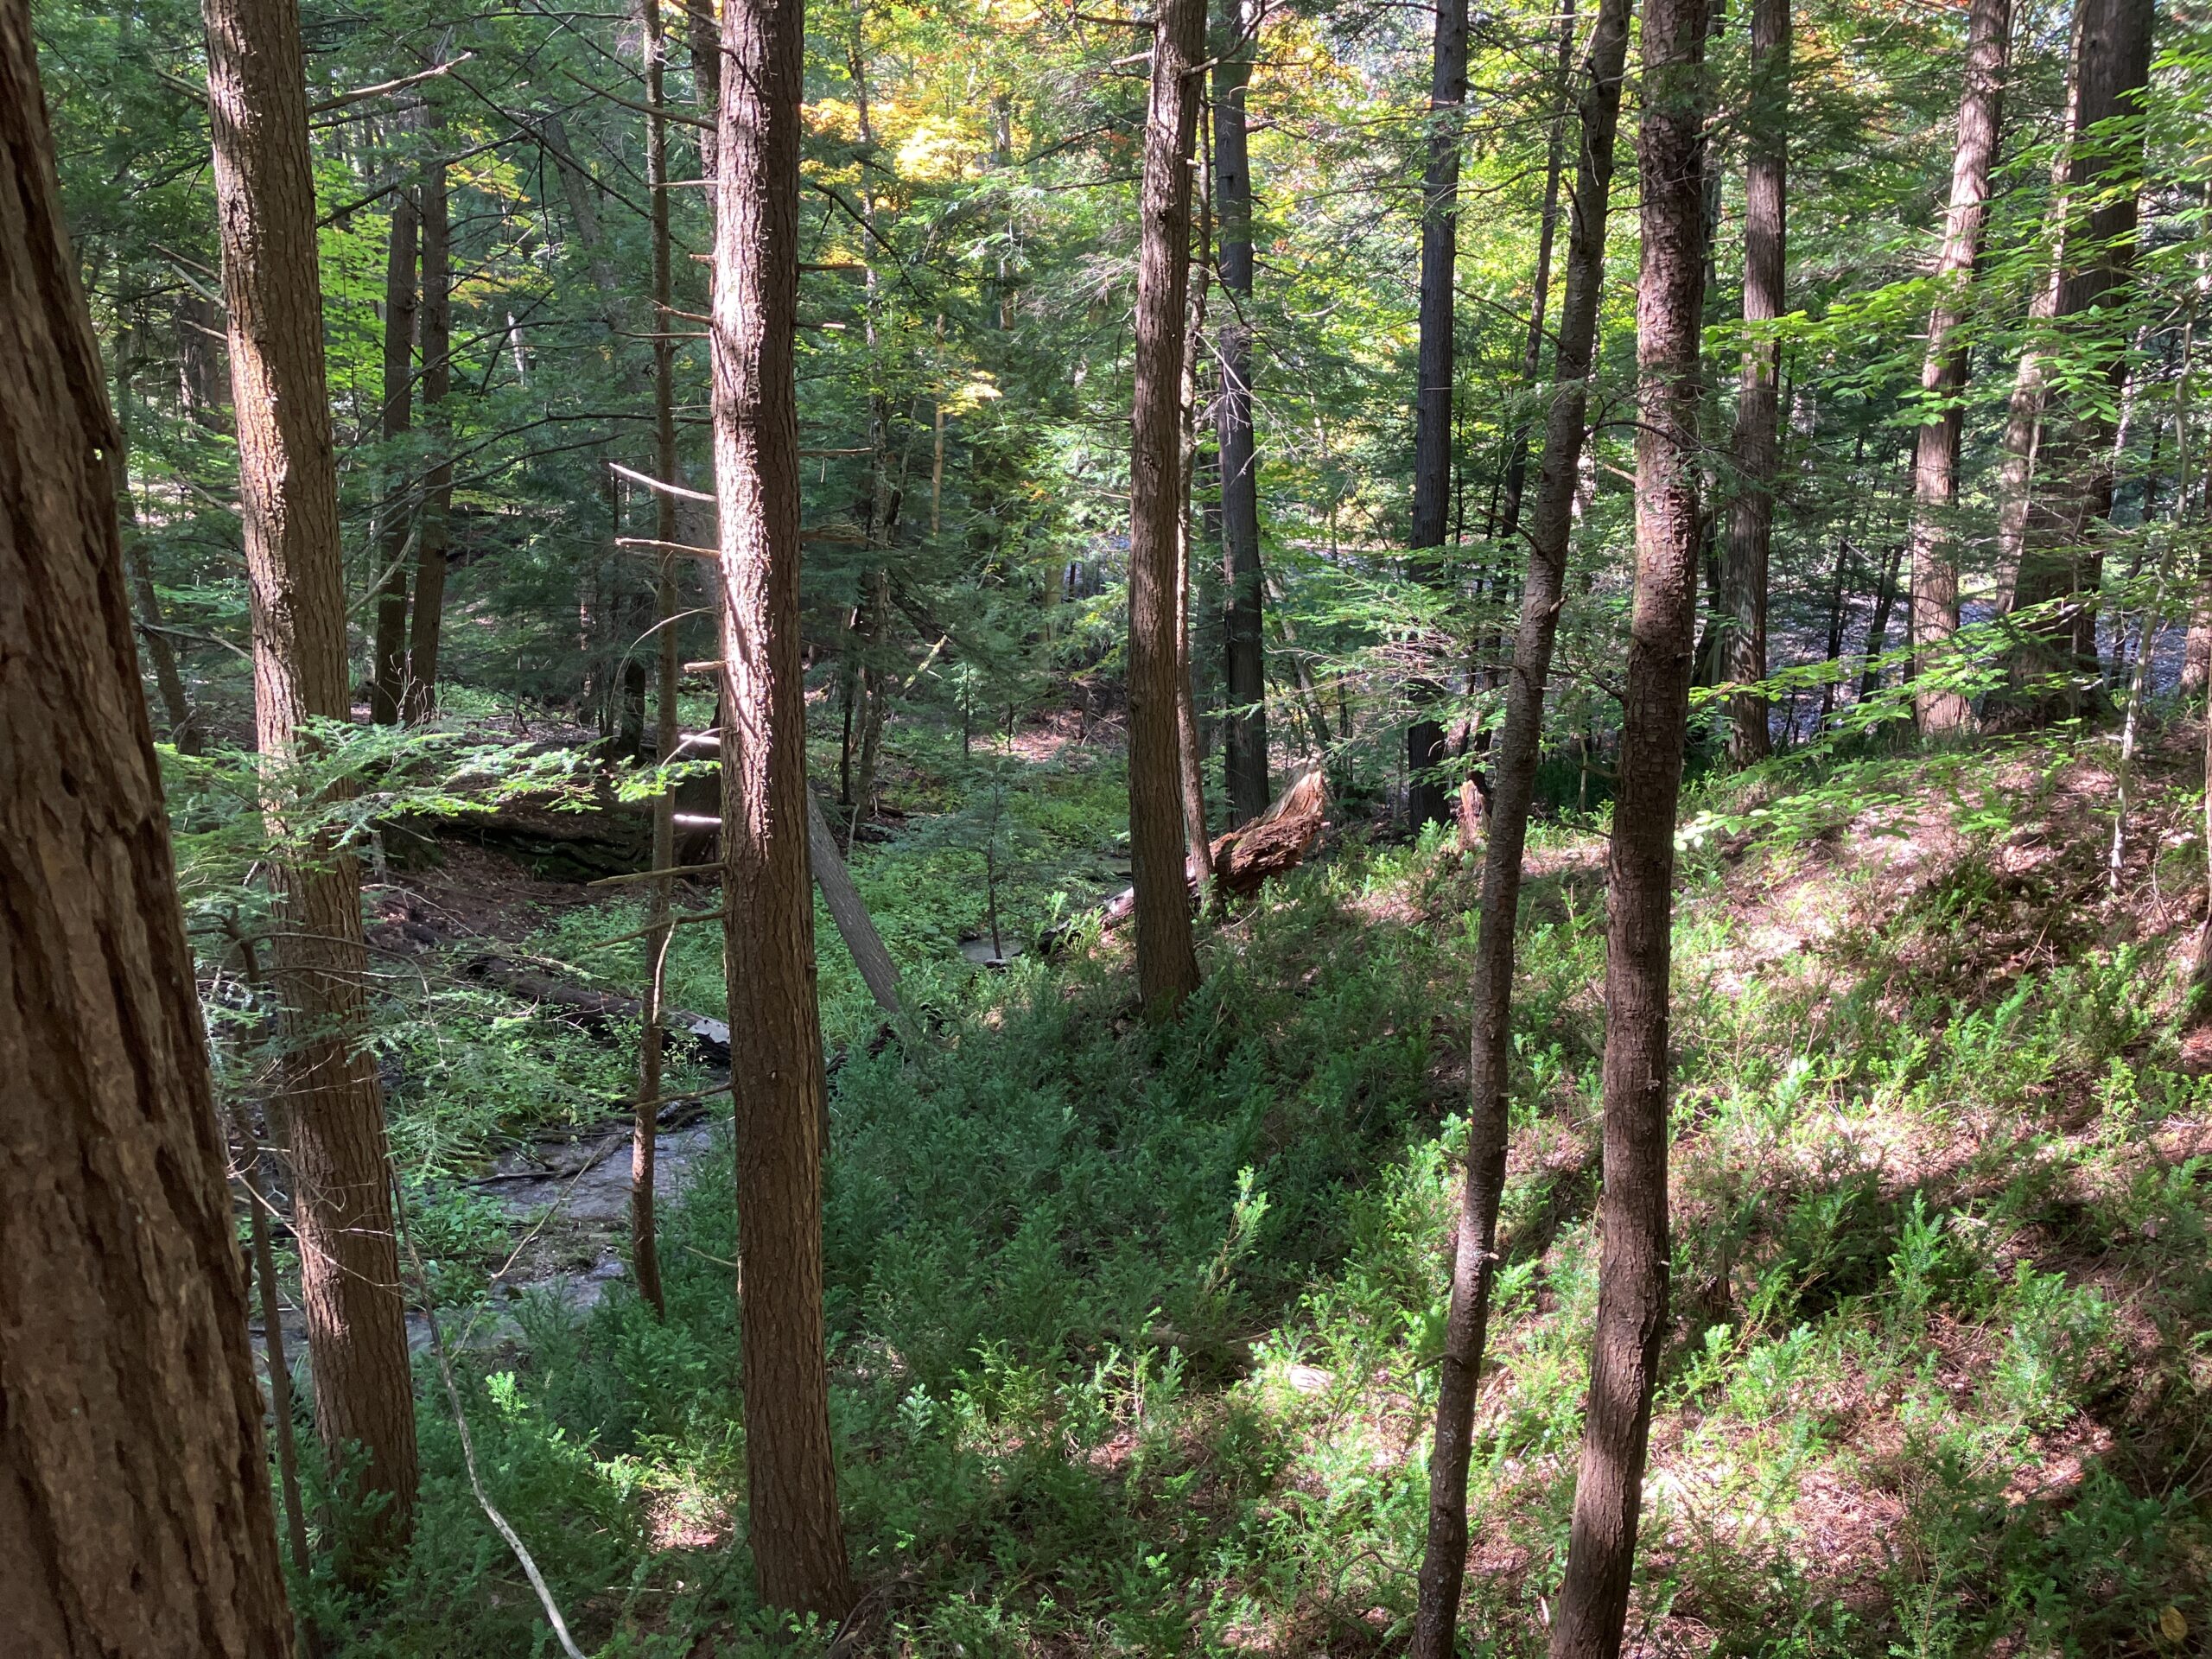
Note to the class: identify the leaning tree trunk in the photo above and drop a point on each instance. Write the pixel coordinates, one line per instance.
(1751, 513)
(1640, 860)
(1440, 243)
(1943, 374)
(1244, 728)
(1520, 746)
(797, 1536)
(432, 539)
(1168, 963)
(2060, 557)
(388, 658)
(349, 1264)
(134, 1496)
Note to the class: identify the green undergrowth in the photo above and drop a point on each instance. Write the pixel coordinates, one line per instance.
(1134, 1331)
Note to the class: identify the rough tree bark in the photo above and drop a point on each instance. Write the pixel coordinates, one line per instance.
(1439, 245)
(645, 1246)
(1750, 513)
(349, 1272)
(1244, 751)
(1520, 746)
(1943, 374)
(1640, 860)
(798, 1535)
(1167, 961)
(2060, 556)
(135, 1510)
(432, 538)
(388, 657)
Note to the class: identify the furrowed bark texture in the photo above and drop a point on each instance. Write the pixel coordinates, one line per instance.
(1168, 963)
(1751, 514)
(1244, 728)
(1640, 860)
(135, 1510)
(1444, 1560)
(1439, 245)
(1943, 375)
(349, 1263)
(388, 662)
(431, 540)
(798, 1535)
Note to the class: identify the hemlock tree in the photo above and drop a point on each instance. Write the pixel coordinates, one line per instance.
(135, 1508)
(1751, 513)
(1167, 961)
(775, 1027)
(1640, 859)
(1439, 245)
(1244, 724)
(1943, 374)
(349, 1259)
(1444, 1560)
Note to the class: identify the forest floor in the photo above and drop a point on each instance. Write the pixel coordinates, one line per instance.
(1134, 1331)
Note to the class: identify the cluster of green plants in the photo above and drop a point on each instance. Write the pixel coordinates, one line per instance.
(1132, 1331)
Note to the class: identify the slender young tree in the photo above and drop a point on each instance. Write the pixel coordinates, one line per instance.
(798, 1535)
(2060, 556)
(1439, 247)
(1640, 860)
(1244, 729)
(1474, 1259)
(349, 1261)
(388, 659)
(1943, 374)
(1167, 961)
(645, 1246)
(1751, 513)
(135, 1510)
(428, 611)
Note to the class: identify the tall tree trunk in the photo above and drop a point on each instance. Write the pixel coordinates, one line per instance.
(1943, 374)
(432, 539)
(645, 1245)
(798, 1535)
(1532, 347)
(1439, 244)
(1520, 748)
(2060, 557)
(1640, 860)
(1244, 749)
(175, 705)
(705, 43)
(134, 1495)
(349, 1264)
(1878, 631)
(1168, 963)
(388, 659)
(1750, 513)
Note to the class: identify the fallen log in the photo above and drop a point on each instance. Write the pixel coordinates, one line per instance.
(596, 1010)
(1274, 843)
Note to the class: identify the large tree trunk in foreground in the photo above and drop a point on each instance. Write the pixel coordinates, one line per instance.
(135, 1511)
(2060, 558)
(1751, 513)
(1640, 860)
(1244, 728)
(349, 1263)
(431, 540)
(1445, 1560)
(1943, 374)
(1439, 245)
(798, 1535)
(1167, 961)
(388, 659)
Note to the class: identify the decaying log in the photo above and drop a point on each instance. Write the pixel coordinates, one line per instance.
(1274, 843)
(596, 1010)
